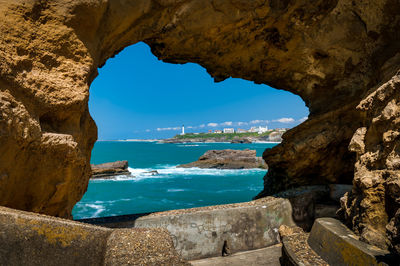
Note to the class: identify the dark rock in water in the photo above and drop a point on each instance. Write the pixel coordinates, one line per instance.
(154, 172)
(228, 159)
(242, 140)
(109, 170)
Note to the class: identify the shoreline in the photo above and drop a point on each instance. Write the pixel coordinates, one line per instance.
(159, 141)
(129, 140)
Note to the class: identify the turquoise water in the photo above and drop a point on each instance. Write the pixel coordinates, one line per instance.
(173, 188)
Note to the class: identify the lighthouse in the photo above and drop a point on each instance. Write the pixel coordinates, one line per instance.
(183, 130)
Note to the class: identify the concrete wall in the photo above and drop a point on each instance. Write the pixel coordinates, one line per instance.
(32, 239)
(202, 232)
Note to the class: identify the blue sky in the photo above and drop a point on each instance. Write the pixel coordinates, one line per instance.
(138, 96)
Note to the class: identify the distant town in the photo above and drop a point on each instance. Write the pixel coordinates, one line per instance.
(252, 135)
(260, 130)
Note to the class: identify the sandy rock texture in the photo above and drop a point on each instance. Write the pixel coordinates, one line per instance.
(335, 54)
(375, 198)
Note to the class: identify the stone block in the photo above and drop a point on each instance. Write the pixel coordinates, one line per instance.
(338, 245)
(32, 239)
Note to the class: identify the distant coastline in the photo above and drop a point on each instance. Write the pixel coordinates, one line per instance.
(161, 141)
(270, 136)
(132, 140)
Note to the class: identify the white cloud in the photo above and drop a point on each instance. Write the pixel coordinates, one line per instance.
(256, 121)
(227, 123)
(284, 120)
(147, 130)
(168, 128)
(301, 120)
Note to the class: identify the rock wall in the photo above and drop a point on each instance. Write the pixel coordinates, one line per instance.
(333, 53)
(375, 198)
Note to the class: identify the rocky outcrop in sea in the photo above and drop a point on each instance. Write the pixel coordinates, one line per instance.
(228, 159)
(109, 170)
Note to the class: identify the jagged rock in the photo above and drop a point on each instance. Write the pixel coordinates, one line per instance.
(371, 208)
(275, 137)
(333, 54)
(228, 159)
(109, 170)
(242, 140)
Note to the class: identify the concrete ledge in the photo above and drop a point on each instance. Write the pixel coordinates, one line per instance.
(338, 245)
(204, 232)
(33, 239)
(295, 249)
(268, 256)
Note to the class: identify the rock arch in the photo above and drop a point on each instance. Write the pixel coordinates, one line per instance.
(341, 56)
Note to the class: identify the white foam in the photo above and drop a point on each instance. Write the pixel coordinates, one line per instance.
(171, 171)
(175, 190)
(206, 171)
(99, 209)
(189, 145)
(228, 190)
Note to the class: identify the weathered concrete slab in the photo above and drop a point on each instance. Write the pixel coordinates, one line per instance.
(30, 239)
(338, 245)
(202, 234)
(265, 256)
(33, 239)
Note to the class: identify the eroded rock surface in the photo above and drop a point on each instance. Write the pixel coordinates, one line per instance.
(375, 198)
(228, 159)
(335, 54)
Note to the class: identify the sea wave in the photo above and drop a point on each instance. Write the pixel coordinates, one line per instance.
(172, 171)
(96, 208)
(189, 145)
(176, 190)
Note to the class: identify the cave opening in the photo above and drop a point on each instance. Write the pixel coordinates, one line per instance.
(138, 100)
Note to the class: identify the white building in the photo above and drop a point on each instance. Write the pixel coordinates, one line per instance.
(217, 131)
(229, 130)
(239, 130)
(259, 129)
(183, 130)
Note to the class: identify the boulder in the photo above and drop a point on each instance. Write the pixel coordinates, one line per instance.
(228, 159)
(109, 170)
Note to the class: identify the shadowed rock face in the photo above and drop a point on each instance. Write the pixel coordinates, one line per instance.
(335, 54)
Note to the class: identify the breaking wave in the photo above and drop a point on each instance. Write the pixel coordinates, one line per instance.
(169, 171)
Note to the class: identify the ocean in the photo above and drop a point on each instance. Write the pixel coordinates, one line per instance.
(172, 188)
